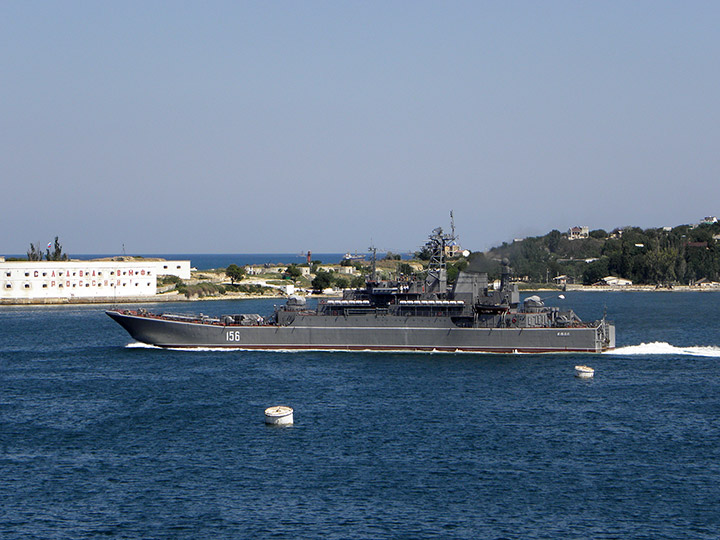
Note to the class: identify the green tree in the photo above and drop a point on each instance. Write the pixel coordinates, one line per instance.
(681, 269)
(235, 273)
(595, 271)
(57, 253)
(405, 269)
(322, 280)
(553, 240)
(34, 253)
(661, 265)
(424, 254)
(293, 272)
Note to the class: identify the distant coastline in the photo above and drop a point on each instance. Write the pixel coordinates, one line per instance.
(211, 261)
(174, 297)
(204, 264)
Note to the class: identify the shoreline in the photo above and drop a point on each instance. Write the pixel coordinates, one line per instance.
(158, 299)
(640, 288)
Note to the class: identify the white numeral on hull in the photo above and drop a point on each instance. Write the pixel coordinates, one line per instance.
(233, 336)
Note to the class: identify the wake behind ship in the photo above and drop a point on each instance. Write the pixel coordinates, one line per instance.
(397, 315)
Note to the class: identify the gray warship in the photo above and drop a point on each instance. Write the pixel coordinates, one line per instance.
(390, 315)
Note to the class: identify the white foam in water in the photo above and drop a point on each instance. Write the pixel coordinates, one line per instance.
(645, 349)
(138, 345)
(660, 347)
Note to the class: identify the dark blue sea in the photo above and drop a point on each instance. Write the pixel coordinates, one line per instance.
(103, 438)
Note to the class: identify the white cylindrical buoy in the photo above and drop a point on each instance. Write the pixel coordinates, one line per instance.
(584, 372)
(279, 415)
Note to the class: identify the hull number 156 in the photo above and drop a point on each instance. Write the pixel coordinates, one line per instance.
(232, 336)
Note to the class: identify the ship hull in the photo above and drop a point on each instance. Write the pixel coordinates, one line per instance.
(375, 334)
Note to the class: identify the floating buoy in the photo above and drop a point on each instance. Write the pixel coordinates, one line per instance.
(584, 372)
(279, 415)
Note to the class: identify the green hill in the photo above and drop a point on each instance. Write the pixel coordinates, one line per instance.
(681, 255)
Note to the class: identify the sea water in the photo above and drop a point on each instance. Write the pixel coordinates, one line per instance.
(103, 437)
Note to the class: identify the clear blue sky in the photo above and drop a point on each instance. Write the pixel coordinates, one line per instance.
(293, 126)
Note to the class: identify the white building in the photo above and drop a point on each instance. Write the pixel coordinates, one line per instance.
(31, 280)
(616, 281)
(576, 233)
(180, 269)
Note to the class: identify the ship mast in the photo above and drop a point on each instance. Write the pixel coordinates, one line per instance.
(373, 267)
(436, 280)
(452, 227)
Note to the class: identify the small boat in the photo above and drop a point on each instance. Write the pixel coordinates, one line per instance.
(584, 372)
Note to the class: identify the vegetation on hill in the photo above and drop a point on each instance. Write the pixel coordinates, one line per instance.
(324, 279)
(293, 272)
(681, 255)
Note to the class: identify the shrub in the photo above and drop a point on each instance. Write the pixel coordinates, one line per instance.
(201, 290)
(169, 280)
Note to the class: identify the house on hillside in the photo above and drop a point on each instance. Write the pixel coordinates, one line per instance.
(453, 250)
(578, 232)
